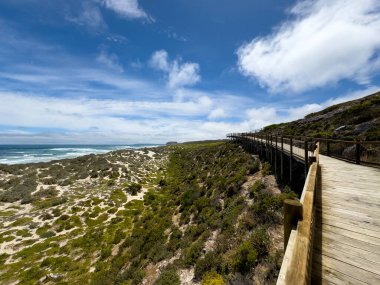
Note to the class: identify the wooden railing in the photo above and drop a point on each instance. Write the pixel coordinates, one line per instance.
(359, 152)
(297, 268)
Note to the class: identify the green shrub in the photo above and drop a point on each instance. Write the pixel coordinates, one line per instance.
(256, 188)
(133, 189)
(31, 275)
(168, 277)
(266, 169)
(48, 234)
(210, 262)
(21, 221)
(119, 236)
(3, 258)
(46, 193)
(213, 278)
(105, 253)
(245, 258)
(260, 241)
(193, 253)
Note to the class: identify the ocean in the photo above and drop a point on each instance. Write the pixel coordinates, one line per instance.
(15, 154)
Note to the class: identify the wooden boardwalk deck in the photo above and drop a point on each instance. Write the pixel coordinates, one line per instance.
(346, 248)
(347, 236)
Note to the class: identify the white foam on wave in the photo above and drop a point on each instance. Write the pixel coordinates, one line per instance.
(65, 153)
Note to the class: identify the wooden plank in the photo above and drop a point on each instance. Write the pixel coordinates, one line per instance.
(350, 200)
(325, 243)
(338, 224)
(325, 275)
(348, 257)
(345, 237)
(346, 270)
(345, 216)
(350, 211)
(340, 204)
(328, 246)
(360, 224)
(353, 234)
(352, 188)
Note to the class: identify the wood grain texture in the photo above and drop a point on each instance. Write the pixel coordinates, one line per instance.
(347, 241)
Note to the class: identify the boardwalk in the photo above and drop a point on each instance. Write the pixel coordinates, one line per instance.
(347, 241)
(346, 245)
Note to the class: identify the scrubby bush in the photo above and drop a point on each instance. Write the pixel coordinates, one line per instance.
(168, 277)
(193, 253)
(245, 258)
(266, 169)
(119, 236)
(19, 190)
(212, 261)
(46, 193)
(260, 241)
(213, 278)
(256, 188)
(46, 216)
(133, 189)
(47, 234)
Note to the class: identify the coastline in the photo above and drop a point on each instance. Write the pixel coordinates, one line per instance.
(23, 154)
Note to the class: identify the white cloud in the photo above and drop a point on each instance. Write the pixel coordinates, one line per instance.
(325, 42)
(267, 115)
(108, 119)
(127, 8)
(352, 96)
(302, 111)
(89, 17)
(261, 117)
(179, 74)
(186, 74)
(218, 113)
(159, 60)
(109, 60)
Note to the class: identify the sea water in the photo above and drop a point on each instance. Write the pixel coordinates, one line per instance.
(14, 154)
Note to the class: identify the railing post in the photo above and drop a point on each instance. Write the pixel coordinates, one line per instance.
(306, 157)
(357, 153)
(275, 157)
(282, 158)
(271, 150)
(291, 161)
(328, 148)
(292, 214)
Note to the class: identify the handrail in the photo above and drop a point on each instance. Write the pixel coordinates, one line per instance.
(359, 152)
(303, 137)
(299, 267)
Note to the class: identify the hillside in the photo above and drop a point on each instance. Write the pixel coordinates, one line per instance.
(357, 119)
(186, 214)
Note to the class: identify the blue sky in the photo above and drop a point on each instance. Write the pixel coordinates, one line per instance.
(128, 71)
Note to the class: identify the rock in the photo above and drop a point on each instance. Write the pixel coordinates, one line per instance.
(54, 276)
(350, 152)
(171, 143)
(362, 127)
(341, 128)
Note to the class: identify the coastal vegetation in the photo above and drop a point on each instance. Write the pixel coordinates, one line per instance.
(205, 213)
(354, 120)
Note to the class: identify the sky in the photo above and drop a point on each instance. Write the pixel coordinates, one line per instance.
(139, 71)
